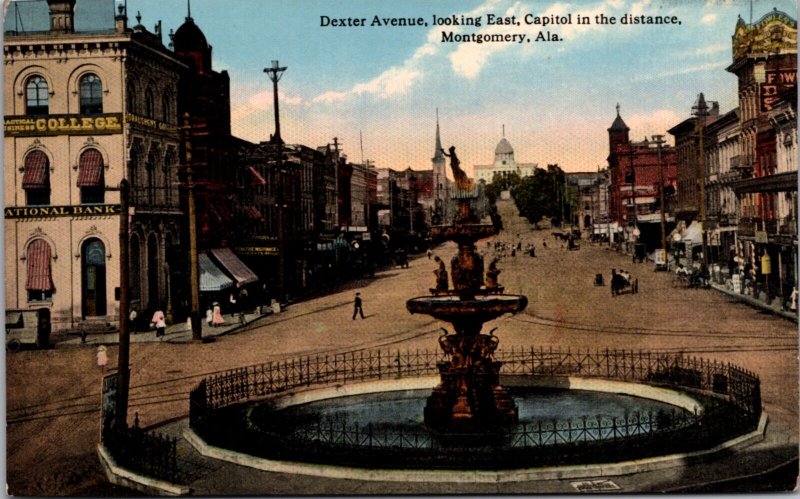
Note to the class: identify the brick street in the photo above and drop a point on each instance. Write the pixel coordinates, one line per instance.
(53, 395)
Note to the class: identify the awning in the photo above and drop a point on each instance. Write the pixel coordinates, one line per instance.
(90, 169)
(211, 277)
(257, 175)
(39, 266)
(235, 267)
(693, 234)
(37, 175)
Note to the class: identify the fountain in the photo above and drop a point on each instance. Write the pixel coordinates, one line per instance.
(471, 412)
(469, 398)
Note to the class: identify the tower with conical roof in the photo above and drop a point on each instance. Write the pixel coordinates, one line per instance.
(441, 192)
(617, 132)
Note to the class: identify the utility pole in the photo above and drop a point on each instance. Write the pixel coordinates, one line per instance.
(194, 275)
(123, 360)
(701, 111)
(275, 72)
(659, 140)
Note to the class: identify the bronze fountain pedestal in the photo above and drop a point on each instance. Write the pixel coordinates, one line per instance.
(469, 398)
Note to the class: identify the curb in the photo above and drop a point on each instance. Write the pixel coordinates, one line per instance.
(752, 302)
(131, 480)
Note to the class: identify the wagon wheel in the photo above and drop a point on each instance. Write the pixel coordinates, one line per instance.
(13, 345)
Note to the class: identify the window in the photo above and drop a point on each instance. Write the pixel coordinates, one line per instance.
(148, 104)
(91, 95)
(166, 108)
(37, 96)
(131, 97)
(90, 177)
(39, 283)
(36, 179)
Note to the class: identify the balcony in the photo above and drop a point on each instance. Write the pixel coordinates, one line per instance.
(743, 162)
(777, 228)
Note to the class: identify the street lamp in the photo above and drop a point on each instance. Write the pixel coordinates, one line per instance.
(700, 109)
(275, 72)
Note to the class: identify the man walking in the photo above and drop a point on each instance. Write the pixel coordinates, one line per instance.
(357, 307)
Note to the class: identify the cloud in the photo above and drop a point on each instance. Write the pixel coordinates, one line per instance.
(656, 122)
(708, 19)
(263, 100)
(710, 66)
(712, 49)
(395, 80)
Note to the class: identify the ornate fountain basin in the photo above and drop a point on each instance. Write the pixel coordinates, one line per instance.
(453, 308)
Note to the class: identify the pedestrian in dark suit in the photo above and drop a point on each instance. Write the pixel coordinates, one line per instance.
(357, 307)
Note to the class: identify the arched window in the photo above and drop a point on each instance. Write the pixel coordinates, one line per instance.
(36, 179)
(131, 90)
(90, 177)
(166, 107)
(148, 103)
(37, 96)
(91, 94)
(39, 282)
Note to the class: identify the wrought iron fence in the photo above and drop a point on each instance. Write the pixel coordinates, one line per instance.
(149, 453)
(731, 394)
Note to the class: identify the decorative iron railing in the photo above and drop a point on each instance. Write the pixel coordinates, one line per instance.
(148, 453)
(732, 405)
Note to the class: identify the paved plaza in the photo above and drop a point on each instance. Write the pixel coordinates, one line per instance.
(53, 396)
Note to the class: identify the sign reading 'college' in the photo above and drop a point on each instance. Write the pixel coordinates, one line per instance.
(62, 124)
(62, 211)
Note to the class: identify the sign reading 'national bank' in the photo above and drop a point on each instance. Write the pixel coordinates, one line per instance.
(62, 211)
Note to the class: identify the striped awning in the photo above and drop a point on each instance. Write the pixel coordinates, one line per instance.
(90, 169)
(39, 275)
(211, 277)
(257, 175)
(37, 175)
(235, 267)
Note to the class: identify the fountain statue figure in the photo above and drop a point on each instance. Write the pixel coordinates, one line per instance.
(469, 397)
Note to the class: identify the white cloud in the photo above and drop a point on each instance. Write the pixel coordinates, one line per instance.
(708, 18)
(263, 100)
(712, 49)
(645, 125)
(711, 66)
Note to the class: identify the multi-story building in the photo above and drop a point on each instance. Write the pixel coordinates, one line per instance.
(722, 150)
(83, 111)
(765, 64)
(635, 173)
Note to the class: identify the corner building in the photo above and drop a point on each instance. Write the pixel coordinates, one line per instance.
(83, 111)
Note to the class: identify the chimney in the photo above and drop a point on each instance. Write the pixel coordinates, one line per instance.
(62, 16)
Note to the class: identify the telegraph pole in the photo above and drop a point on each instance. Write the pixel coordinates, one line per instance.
(194, 276)
(701, 111)
(123, 359)
(659, 140)
(275, 72)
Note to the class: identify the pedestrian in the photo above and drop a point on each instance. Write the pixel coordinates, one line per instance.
(209, 317)
(159, 323)
(132, 319)
(102, 357)
(357, 306)
(232, 301)
(244, 297)
(217, 319)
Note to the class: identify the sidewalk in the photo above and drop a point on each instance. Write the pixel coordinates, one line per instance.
(176, 333)
(774, 308)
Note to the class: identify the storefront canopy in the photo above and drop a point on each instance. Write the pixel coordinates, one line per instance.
(693, 235)
(235, 267)
(211, 277)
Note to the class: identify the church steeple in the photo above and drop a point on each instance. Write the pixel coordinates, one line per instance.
(437, 155)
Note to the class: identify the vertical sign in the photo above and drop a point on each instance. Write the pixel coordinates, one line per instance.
(108, 405)
(776, 83)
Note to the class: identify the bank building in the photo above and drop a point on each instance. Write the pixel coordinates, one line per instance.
(88, 103)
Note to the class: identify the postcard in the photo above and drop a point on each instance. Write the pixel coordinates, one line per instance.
(259, 248)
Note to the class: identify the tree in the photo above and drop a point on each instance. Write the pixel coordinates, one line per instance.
(540, 195)
(499, 184)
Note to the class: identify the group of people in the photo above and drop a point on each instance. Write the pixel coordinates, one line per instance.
(698, 275)
(622, 279)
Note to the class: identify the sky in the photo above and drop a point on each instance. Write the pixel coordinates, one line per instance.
(381, 86)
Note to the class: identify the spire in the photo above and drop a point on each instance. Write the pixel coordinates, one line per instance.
(437, 155)
(188, 9)
(618, 125)
(504, 130)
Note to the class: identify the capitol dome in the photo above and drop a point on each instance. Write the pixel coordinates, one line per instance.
(503, 147)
